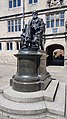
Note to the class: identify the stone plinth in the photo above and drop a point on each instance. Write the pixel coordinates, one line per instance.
(31, 72)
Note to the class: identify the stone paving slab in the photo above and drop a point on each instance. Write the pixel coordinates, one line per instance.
(2, 88)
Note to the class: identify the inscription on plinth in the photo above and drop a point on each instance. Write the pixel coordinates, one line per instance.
(26, 67)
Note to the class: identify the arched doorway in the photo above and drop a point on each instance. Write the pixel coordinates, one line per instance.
(55, 54)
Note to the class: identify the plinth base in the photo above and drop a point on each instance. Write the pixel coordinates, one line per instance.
(48, 104)
(31, 86)
(31, 72)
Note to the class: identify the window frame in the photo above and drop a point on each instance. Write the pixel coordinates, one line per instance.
(16, 29)
(52, 20)
(48, 21)
(58, 21)
(33, 1)
(18, 45)
(14, 3)
(14, 25)
(10, 3)
(19, 24)
(9, 46)
(0, 46)
(9, 30)
(61, 19)
(18, 3)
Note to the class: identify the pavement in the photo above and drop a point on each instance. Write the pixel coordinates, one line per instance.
(57, 72)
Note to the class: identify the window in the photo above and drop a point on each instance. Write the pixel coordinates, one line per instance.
(18, 45)
(62, 19)
(10, 3)
(19, 24)
(33, 1)
(14, 3)
(9, 46)
(0, 46)
(48, 21)
(14, 25)
(52, 20)
(19, 3)
(30, 1)
(55, 20)
(8, 26)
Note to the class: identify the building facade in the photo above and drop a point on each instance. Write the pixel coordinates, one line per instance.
(54, 14)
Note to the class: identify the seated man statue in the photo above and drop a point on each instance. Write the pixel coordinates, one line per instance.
(35, 30)
(32, 35)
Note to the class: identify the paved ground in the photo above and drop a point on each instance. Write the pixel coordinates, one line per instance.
(6, 72)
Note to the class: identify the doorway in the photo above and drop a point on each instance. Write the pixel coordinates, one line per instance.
(55, 54)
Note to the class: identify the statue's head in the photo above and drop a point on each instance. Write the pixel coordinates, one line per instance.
(34, 14)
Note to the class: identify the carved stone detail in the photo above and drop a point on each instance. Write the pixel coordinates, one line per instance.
(52, 3)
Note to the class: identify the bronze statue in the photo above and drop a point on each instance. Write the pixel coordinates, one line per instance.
(34, 32)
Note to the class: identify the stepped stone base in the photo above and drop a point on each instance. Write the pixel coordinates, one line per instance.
(43, 104)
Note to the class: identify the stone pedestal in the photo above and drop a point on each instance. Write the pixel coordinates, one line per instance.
(31, 71)
(33, 95)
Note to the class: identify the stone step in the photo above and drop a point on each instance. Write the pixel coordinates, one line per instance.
(35, 109)
(58, 106)
(21, 108)
(48, 94)
(55, 108)
(4, 115)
